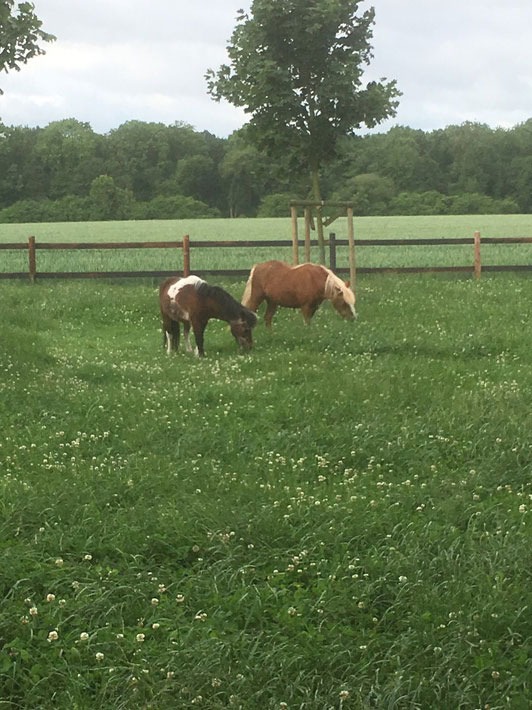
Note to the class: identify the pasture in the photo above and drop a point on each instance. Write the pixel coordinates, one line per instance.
(340, 519)
(265, 229)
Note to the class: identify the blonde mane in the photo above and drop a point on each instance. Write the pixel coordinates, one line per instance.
(246, 296)
(333, 283)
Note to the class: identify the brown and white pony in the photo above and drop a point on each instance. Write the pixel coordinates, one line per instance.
(193, 302)
(305, 286)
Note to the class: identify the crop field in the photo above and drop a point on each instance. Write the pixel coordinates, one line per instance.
(264, 229)
(339, 519)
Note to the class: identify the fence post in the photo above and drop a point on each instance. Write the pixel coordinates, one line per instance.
(308, 222)
(32, 259)
(352, 257)
(477, 263)
(332, 251)
(295, 251)
(186, 255)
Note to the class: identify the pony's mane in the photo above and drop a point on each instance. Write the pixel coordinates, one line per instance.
(333, 282)
(231, 306)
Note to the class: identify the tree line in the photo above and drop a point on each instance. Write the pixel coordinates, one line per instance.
(67, 172)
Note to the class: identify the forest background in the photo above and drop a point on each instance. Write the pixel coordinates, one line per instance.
(66, 172)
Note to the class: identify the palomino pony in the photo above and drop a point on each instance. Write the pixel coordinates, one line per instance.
(194, 302)
(305, 286)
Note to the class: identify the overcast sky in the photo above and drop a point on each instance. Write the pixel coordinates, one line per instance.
(121, 60)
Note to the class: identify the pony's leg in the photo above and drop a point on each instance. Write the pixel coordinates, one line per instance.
(199, 328)
(175, 335)
(186, 333)
(170, 335)
(270, 312)
(308, 311)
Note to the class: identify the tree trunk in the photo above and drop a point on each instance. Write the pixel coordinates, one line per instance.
(316, 194)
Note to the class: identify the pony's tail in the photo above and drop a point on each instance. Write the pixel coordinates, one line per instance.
(246, 297)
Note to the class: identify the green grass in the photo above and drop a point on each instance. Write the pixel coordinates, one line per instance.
(280, 228)
(339, 519)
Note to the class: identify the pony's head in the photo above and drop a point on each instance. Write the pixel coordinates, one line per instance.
(341, 296)
(242, 328)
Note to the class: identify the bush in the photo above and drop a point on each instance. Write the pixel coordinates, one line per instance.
(420, 203)
(276, 205)
(71, 209)
(28, 211)
(475, 203)
(109, 202)
(370, 194)
(176, 207)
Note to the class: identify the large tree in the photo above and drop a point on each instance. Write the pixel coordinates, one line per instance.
(20, 34)
(296, 67)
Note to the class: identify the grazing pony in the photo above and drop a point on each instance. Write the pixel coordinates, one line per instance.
(305, 286)
(194, 302)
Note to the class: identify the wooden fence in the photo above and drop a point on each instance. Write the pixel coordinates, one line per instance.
(186, 245)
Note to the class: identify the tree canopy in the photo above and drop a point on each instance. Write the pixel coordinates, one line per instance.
(54, 173)
(296, 67)
(20, 34)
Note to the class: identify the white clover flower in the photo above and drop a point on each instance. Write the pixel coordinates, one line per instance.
(53, 636)
(50, 597)
(140, 638)
(344, 694)
(201, 616)
(180, 598)
(156, 626)
(59, 562)
(84, 636)
(154, 601)
(33, 611)
(99, 656)
(403, 579)
(87, 557)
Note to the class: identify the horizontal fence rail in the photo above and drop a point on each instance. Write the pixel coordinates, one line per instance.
(186, 246)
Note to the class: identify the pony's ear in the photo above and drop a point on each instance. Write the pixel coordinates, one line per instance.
(348, 283)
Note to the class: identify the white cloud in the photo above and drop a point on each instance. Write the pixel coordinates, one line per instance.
(117, 60)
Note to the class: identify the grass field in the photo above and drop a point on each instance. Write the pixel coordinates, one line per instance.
(340, 519)
(280, 228)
